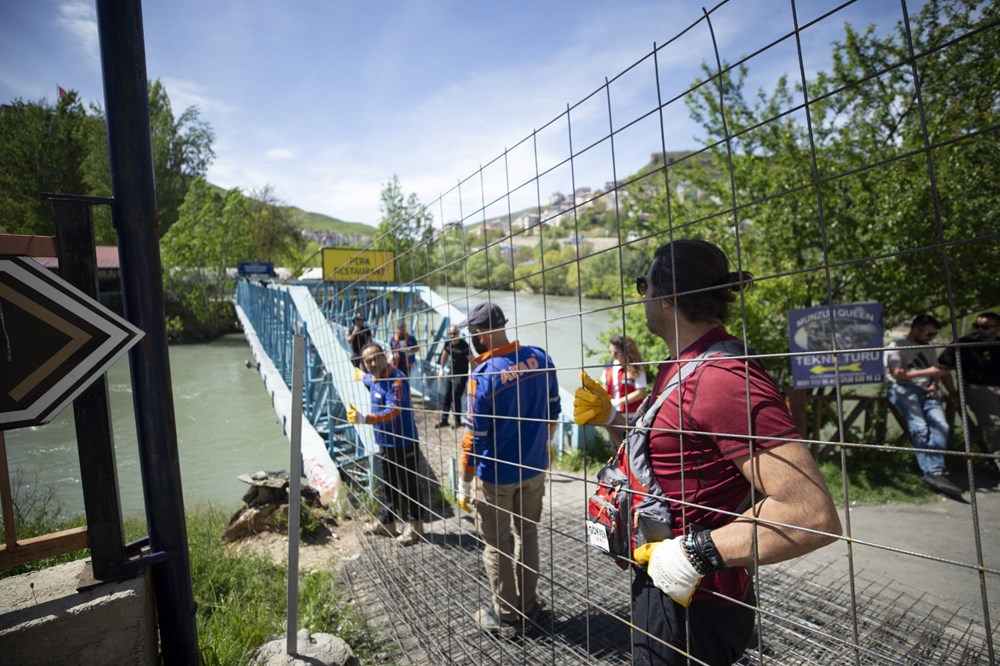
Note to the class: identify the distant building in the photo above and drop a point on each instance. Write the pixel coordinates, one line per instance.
(109, 290)
(528, 221)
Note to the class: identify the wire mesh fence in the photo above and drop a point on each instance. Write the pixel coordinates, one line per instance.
(849, 167)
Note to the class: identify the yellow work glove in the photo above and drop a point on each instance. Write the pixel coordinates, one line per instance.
(358, 374)
(355, 417)
(592, 404)
(466, 500)
(669, 568)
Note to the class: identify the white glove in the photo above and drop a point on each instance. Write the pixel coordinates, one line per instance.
(465, 499)
(672, 571)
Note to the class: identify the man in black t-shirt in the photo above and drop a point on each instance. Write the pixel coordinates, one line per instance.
(359, 337)
(980, 375)
(457, 351)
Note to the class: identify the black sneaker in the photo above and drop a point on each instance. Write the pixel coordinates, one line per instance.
(441, 424)
(458, 424)
(537, 613)
(940, 483)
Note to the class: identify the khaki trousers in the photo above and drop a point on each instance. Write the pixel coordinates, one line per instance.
(511, 556)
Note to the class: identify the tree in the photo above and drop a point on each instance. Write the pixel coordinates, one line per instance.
(868, 222)
(65, 149)
(212, 234)
(182, 152)
(41, 150)
(406, 229)
(274, 236)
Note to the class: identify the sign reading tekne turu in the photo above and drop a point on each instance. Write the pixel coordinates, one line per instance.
(54, 342)
(857, 328)
(347, 265)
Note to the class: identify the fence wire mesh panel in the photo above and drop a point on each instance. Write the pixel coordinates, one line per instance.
(847, 170)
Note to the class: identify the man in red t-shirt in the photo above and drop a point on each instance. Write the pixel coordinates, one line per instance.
(725, 424)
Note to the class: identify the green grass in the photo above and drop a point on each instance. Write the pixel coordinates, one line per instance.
(241, 599)
(874, 482)
(593, 458)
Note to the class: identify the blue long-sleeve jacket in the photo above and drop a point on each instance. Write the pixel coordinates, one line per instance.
(513, 395)
(392, 409)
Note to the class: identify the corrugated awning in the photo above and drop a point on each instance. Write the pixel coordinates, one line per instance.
(107, 259)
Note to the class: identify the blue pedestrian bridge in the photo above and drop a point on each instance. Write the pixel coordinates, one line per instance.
(271, 314)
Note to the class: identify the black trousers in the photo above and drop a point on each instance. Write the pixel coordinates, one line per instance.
(398, 479)
(454, 392)
(719, 633)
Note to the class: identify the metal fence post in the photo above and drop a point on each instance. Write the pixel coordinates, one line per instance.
(92, 409)
(126, 103)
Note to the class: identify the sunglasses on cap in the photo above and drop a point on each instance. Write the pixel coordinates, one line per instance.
(983, 327)
(641, 285)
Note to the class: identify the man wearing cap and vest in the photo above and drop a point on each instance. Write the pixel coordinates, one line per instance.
(513, 401)
(720, 425)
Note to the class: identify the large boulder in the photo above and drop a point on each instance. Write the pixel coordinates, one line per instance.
(311, 649)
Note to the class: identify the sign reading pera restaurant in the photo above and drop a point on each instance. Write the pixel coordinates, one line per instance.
(347, 265)
(54, 342)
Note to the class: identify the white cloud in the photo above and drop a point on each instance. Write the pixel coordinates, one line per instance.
(280, 154)
(187, 93)
(80, 19)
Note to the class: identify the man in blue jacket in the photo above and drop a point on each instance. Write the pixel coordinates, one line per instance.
(513, 399)
(396, 435)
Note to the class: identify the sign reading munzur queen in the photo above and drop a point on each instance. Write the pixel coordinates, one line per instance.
(857, 330)
(347, 265)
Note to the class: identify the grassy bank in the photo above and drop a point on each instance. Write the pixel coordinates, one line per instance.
(240, 596)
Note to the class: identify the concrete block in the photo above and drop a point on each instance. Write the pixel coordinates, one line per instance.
(44, 620)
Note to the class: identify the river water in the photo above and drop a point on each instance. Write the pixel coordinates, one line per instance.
(225, 422)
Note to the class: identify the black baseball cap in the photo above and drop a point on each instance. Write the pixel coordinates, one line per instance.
(485, 316)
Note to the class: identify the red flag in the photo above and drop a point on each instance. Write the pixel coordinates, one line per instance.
(62, 93)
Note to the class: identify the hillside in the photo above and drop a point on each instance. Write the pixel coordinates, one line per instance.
(319, 222)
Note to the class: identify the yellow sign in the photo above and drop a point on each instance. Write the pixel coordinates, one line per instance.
(347, 265)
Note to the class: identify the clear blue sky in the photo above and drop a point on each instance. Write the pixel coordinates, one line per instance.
(327, 100)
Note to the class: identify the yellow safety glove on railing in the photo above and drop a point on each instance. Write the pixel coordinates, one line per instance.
(592, 404)
(355, 417)
(466, 501)
(669, 568)
(358, 374)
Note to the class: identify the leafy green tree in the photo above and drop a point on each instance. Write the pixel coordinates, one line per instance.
(274, 236)
(65, 149)
(182, 151)
(607, 274)
(41, 150)
(488, 269)
(212, 234)
(406, 229)
(844, 207)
